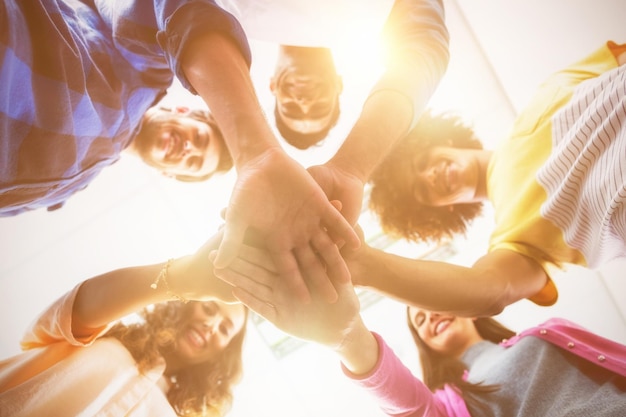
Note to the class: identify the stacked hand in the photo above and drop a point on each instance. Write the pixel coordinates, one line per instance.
(277, 199)
(258, 286)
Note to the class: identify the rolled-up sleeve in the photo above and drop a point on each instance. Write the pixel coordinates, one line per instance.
(55, 324)
(190, 21)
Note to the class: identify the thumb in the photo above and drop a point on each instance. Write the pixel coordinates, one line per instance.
(228, 249)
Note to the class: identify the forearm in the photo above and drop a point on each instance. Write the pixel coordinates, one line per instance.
(416, 46)
(218, 72)
(385, 118)
(108, 297)
(115, 294)
(481, 290)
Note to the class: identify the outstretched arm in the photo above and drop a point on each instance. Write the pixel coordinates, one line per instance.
(338, 326)
(86, 311)
(365, 357)
(416, 42)
(496, 280)
(108, 297)
(273, 194)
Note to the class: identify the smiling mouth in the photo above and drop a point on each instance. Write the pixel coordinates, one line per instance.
(196, 338)
(442, 325)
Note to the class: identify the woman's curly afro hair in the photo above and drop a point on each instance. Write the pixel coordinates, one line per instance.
(391, 197)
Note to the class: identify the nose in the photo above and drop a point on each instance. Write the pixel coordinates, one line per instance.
(432, 316)
(305, 102)
(429, 175)
(209, 326)
(190, 148)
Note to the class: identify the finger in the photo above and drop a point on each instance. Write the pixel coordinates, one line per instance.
(315, 272)
(288, 269)
(262, 308)
(235, 279)
(234, 233)
(330, 254)
(253, 271)
(337, 204)
(339, 228)
(256, 256)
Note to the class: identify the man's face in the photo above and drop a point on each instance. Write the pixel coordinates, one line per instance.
(179, 145)
(306, 96)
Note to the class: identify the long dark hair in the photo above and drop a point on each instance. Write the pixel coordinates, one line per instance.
(204, 389)
(439, 369)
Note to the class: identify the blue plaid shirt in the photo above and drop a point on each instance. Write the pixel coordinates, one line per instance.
(76, 78)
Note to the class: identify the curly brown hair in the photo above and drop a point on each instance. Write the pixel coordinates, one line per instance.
(391, 197)
(204, 389)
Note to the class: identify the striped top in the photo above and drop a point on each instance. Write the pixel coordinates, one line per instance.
(531, 213)
(585, 177)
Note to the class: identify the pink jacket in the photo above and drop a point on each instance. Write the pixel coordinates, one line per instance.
(401, 394)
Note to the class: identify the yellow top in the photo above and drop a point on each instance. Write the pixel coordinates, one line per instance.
(512, 186)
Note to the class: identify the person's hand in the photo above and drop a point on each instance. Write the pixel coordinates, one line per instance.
(258, 286)
(342, 186)
(283, 204)
(192, 277)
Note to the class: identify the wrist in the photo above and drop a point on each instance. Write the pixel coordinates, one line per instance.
(358, 265)
(166, 283)
(258, 154)
(348, 166)
(359, 350)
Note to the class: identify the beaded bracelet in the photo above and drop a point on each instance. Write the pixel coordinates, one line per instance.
(162, 277)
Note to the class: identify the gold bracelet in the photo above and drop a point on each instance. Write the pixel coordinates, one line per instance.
(162, 277)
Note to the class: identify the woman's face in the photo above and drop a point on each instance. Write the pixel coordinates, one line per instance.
(207, 329)
(444, 176)
(444, 333)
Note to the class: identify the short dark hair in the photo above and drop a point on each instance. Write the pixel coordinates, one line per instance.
(225, 162)
(391, 197)
(304, 140)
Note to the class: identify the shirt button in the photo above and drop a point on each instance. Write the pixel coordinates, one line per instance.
(543, 331)
(601, 358)
(570, 345)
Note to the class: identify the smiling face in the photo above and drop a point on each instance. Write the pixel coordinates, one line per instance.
(177, 144)
(307, 88)
(444, 333)
(207, 329)
(444, 176)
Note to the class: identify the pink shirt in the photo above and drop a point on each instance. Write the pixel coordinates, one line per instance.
(58, 375)
(401, 394)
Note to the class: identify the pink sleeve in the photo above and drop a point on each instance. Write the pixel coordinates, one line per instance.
(400, 393)
(55, 324)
